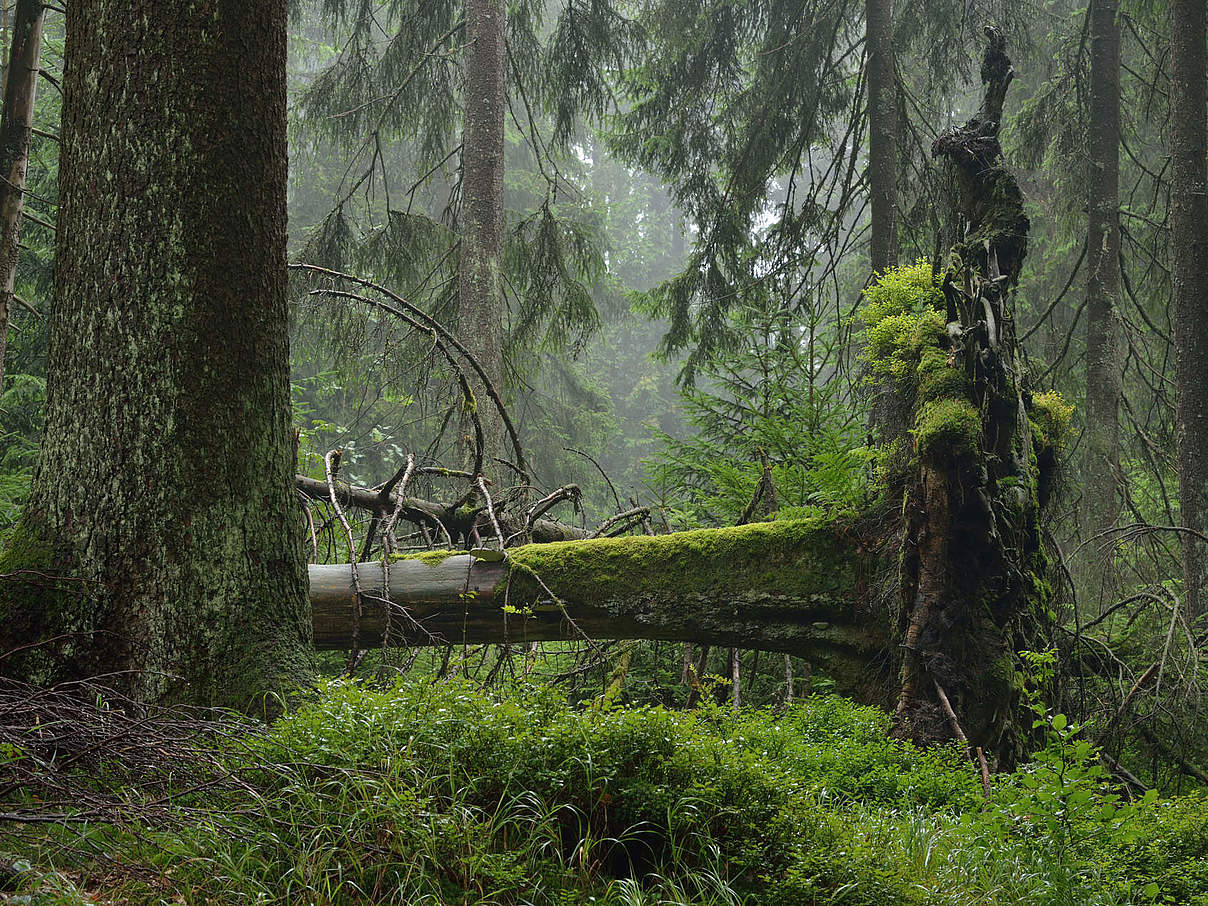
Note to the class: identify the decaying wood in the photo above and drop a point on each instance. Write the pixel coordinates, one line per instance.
(971, 550)
(761, 594)
(457, 521)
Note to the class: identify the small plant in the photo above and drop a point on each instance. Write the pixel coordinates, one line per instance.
(1063, 802)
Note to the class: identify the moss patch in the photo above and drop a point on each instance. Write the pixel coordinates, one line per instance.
(939, 376)
(801, 558)
(1051, 417)
(428, 558)
(946, 429)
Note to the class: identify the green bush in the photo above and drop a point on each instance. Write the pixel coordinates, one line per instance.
(441, 793)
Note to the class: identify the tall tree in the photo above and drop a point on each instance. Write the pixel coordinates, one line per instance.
(480, 270)
(15, 124)
(1104, 367)
(882, 134)
(1189, 283)
(160, 544)
(420, 91)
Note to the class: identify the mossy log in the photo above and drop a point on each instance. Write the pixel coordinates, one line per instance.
(798, 587)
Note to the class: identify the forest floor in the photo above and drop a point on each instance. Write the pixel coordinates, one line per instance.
(439, 793)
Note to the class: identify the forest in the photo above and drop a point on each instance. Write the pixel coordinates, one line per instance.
(547, 452)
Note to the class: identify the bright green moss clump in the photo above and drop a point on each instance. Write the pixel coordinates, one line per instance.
(939, 376)
(910, 289)
(946, 429)
(908, 344)
(428, 558)
(902, 320)
(1051, 417)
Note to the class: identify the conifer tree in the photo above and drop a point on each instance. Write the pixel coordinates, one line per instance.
(160, 547)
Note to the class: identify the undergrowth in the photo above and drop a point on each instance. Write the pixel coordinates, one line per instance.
(439, 792)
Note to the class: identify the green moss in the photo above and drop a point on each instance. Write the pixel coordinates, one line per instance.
(430, 558)
(908, 290)
(939, 376)
(905, 330)
(947, 428)
(1051, 417)
(806, 558)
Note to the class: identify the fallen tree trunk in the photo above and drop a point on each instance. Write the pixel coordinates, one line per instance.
(797, 587)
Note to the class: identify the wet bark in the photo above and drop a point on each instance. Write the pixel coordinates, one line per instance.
(480, 276)
(882, 134)
(1189, 284)
(20, 90)
(164, 493)
(971, 553)
(1104, 364)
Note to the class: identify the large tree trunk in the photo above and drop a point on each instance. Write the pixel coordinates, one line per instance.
(1189, 283)
(480, 279)
(971, 553)
(1104, 366)
(781, 586)
(15, 124)
(164, 489)
(882, 134)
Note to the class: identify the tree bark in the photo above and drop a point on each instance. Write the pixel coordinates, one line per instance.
(1104, 364)
(164, 499)
(19, 92)
(480, 275)
(972, 567)
(882, 134)
(1189, 284)
(792, 587)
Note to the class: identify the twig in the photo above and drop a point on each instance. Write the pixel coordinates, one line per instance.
(486, 496)
(331, 463)
(960, 734)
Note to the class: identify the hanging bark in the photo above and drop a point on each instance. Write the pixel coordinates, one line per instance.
(480, 275)
(1189, 284)
(1104, 362)
(164, 492)
(971, 563)
(20, 90)
(882, 134)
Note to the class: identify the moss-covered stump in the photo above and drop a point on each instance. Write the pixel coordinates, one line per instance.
(972, 454)
(797, 586)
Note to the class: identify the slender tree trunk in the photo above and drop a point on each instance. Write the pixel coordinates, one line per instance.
(735, 680)
(480, 279)
(1101, 460)
(1189, 283)
(882, 134)
(3, 46)
(164, 492)
(15, 123)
